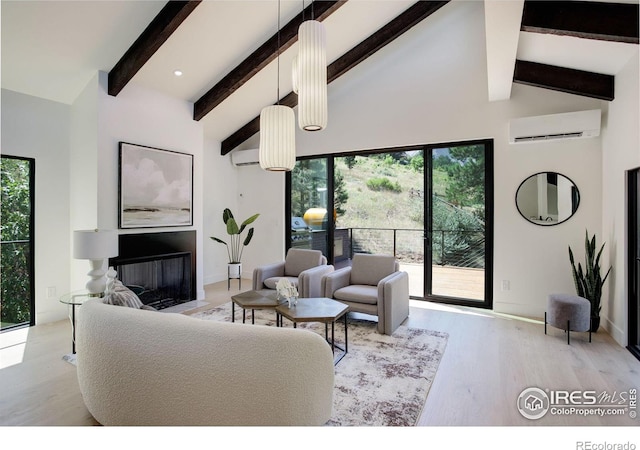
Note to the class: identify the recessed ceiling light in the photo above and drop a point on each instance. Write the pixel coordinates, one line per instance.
(177, 73)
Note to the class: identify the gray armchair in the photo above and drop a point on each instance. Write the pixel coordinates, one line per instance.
(372, 285)
(304, 269)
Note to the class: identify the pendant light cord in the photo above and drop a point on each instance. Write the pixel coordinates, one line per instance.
(278, 57)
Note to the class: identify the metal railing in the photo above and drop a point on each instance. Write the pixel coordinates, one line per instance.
(458, 248)
(15, 263)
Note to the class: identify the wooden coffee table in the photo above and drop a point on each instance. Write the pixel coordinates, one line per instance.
(325, 310)
(263, 299)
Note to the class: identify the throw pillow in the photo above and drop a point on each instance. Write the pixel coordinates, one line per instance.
(122, 296)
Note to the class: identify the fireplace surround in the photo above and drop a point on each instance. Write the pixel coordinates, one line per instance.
(160, 265)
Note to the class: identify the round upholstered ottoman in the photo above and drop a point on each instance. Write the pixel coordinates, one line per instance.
(569, 313)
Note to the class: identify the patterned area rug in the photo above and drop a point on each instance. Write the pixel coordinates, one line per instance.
(382, 380)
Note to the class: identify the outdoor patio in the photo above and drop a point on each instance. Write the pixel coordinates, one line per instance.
(449, 281)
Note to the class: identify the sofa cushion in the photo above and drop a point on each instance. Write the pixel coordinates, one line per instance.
(122, 296)
(299, 260)
(357, 293)
(271, 282)
(370, 269)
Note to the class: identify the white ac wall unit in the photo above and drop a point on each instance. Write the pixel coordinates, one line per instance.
(573, 125)
(245, 157)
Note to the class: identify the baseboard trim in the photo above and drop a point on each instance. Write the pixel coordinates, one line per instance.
(616, 333)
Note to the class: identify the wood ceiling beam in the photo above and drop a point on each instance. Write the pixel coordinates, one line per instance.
(395, 28)
(157, 32)
(572, 81)
(260, 58)
(616, 22)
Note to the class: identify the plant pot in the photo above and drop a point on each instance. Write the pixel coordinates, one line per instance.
(595, 323)
(234, 270)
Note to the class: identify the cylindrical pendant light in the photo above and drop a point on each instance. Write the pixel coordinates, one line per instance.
(277, 138)
(312, 76)
(277, 151)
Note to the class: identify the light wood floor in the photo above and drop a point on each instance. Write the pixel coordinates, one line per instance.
(489, 360)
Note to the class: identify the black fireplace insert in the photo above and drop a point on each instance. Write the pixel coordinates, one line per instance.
(159, 266)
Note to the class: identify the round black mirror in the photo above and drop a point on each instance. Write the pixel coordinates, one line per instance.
(547, 198)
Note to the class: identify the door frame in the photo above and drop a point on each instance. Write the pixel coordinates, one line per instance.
(487, 303)
(633, 264)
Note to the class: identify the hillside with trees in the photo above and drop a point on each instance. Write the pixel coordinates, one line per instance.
(382, 199)
(386, 191)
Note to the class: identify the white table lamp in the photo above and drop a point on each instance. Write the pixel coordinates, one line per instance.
(96, 246)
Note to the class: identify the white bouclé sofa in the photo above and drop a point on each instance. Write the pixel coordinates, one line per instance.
(138, 367)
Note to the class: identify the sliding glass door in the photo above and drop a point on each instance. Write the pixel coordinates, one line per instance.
(379, 204)
(458, 223)
(309, 205)
(17, 304)
(429, 206)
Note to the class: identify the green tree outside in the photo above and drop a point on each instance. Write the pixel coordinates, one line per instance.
(350, 161)
(340, 195)
(308, 177)
(466, 179)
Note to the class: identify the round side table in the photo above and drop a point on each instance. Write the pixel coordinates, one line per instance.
(73, 299)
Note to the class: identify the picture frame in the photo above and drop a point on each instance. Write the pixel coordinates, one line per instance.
(155, 187)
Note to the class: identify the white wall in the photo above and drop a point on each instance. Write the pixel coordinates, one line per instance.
(83, 175)
(146, 117)
(220, 187)
(535, 258)
(262, 192)
(38, 128)
(430, 86)
(621, 152)
(246, 190)
(138, 116)
(76, 151)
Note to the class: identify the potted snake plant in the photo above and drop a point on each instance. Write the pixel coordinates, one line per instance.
(589, 281)
(236, 244)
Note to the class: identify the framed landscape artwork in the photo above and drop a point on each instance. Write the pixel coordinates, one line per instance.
(155, 187)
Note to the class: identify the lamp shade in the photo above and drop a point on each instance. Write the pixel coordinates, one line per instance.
(95, 244)
(277, 138)
(312, 76)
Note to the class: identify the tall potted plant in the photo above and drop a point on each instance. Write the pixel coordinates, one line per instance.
(589, 281)
(236, 244)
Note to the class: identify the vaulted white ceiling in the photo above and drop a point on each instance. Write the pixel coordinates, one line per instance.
(51, 48)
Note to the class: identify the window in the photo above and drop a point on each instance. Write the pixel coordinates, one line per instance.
(17, 304)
